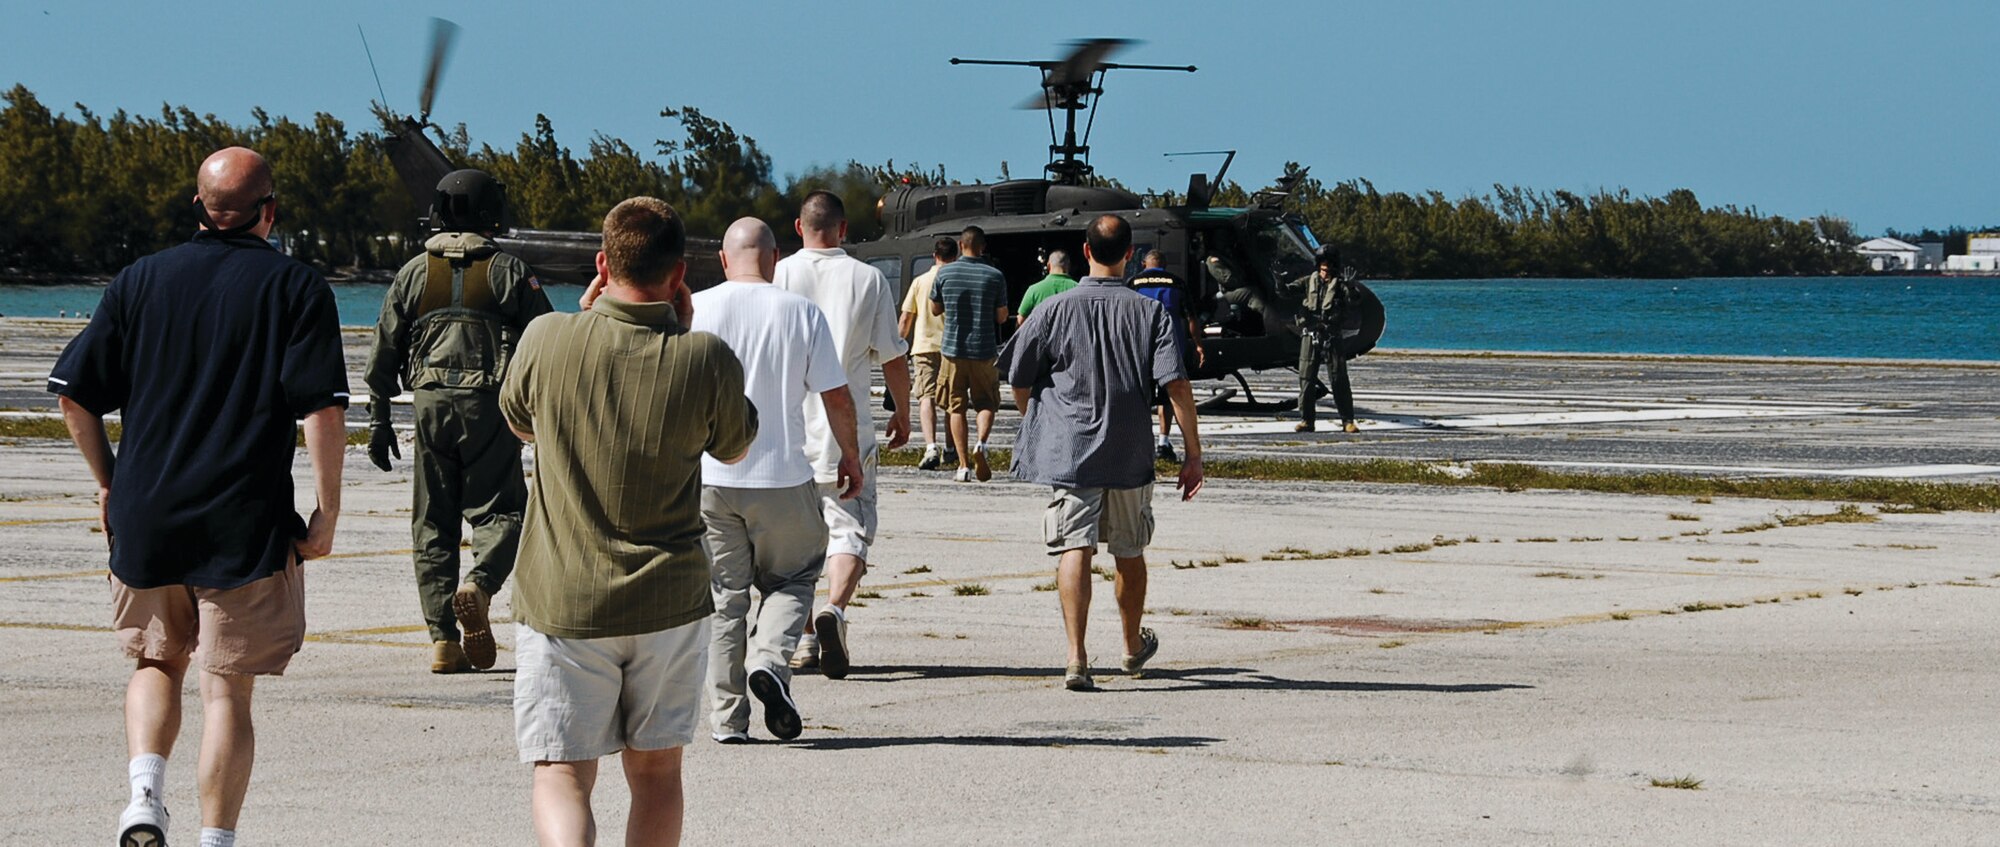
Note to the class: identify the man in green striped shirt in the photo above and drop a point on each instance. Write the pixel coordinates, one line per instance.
(611, 587)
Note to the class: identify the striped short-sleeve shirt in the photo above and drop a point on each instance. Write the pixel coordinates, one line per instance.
(622, 401)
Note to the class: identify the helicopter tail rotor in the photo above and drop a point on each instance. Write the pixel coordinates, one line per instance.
(443, 33)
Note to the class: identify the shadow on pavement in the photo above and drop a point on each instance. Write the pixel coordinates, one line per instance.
(1183, 679)
(903, 673)
(1161, 742)
(1202, 679)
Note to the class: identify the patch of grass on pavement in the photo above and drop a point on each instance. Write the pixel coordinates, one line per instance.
(971, 589)
(918, 569)
(1684, 783)
(1682, 516)
(1249, 622)
(1046, 586)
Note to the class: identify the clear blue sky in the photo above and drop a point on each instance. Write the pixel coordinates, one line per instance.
(1884, 113)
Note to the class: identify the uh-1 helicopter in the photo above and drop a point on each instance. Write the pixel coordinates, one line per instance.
(568, 258)
(1239, 263)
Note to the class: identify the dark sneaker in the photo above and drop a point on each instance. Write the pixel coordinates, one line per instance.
(980, 468)
(1077, 678)
(143, 823)
(470, 603)
(1135, 663)
(1165, 453)
(781, 716)
(932, 457)
(831, 627)
(950, 455)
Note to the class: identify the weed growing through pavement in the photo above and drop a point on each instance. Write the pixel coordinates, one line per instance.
(1567, 575)
(1391, 645)
(1378, 590)
(868, 595)
(971, 589)
(1684, 783)
(1700, 606)
(1682, 516)
(919, 569)
(1046, 586)
(1621, 616)
(1249, 622)
(1852, 592)
(1708, 559)
(1182, 566)
(916, 594)
(1536, 540)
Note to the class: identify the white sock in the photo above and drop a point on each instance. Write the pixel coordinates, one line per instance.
(1164, 442)
(148, 772)
(213, 837)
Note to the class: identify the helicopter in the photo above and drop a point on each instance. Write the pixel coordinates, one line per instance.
(1239, 262)
(567, 258)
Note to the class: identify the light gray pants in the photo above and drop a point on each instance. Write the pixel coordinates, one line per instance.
(773, 540)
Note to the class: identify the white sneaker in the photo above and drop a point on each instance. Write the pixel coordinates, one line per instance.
(143, 823)
(932, 456)
(806, 657)
(964, 475)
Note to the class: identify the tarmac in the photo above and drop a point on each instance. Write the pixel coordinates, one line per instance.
(1339, 662)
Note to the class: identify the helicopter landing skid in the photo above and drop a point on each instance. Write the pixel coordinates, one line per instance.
(1225, 400)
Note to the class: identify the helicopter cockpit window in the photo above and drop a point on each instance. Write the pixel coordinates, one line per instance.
(920, 265)
(1281, 251)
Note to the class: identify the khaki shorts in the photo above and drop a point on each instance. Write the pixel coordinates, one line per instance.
(969, 382)
(924, 374)
(1078, 518)
(252, 629)
(850, 524)
(578, 699)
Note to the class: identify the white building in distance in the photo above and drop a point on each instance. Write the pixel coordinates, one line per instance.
(1891, 254)
(1982, 256)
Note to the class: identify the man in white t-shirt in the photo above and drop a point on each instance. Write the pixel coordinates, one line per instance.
(765, 527)
(926, 332)
(861, 308)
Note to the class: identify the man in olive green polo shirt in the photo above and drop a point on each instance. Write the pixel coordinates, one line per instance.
(611, 587)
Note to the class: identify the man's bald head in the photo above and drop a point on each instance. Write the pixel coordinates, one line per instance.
(749, 251)
(230, 185)
(1059, 262)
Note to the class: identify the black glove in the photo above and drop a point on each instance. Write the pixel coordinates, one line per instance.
(381, 436)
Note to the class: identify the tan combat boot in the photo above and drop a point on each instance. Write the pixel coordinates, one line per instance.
(469, 603)
(448, 657)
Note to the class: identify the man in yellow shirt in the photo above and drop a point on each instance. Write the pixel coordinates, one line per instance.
(926, 334)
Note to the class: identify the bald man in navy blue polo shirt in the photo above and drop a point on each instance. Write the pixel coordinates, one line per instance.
(212, 350)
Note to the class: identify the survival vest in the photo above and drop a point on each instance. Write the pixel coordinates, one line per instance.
(459, 338)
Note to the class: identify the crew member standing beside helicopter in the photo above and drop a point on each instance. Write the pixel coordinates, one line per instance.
(1325, 297)
(447, 328)
(1156, 282)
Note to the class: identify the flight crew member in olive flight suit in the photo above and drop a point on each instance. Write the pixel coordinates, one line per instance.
(448, 326)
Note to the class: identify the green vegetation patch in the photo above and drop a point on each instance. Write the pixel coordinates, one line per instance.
(1684, 783)
(1897, 495)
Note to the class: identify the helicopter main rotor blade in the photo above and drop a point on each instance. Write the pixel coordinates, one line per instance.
(1078, 66)
(443, 33)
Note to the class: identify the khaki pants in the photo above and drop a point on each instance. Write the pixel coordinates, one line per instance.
(772, 540)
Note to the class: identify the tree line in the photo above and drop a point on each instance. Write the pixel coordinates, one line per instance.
(91, 193)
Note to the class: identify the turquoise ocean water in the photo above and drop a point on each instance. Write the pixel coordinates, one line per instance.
(1842, 317)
